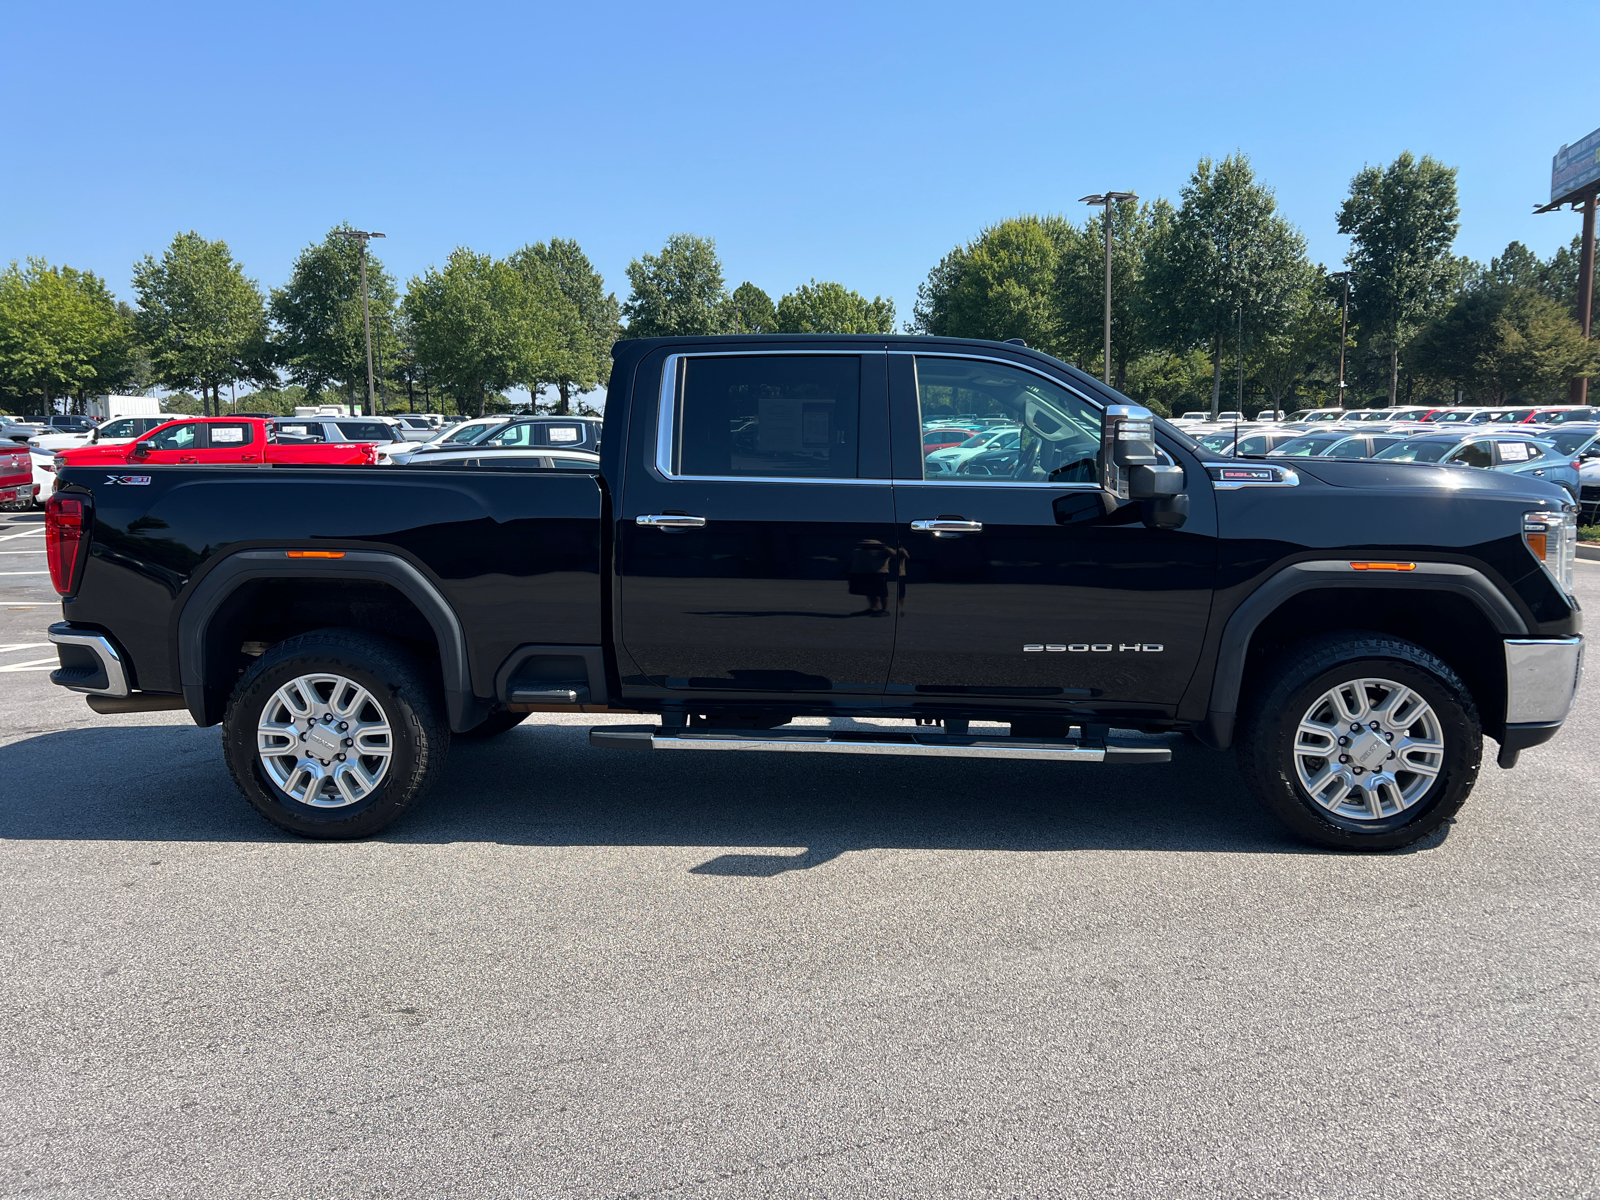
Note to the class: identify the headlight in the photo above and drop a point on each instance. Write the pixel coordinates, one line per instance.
(1553, 539)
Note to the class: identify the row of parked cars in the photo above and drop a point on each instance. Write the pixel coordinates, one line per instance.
(416, 439)
(1559, 444)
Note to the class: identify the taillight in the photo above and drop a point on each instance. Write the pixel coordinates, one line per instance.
(66, 533)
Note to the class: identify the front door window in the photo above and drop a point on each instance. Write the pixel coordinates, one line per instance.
(1025, 428)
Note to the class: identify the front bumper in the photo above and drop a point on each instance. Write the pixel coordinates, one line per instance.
(1542, 677)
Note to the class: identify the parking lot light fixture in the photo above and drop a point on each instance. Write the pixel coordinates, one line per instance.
(1106, 200)
(363, 237)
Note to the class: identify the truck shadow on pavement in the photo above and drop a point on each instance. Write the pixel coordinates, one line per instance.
(545, 786)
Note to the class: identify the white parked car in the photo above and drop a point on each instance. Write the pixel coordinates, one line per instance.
(490, 456)
(44, 474)
(464, 433)
(948, 462)
(115, 432)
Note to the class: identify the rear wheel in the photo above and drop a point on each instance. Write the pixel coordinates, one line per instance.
(335, 734)
(1359, 741)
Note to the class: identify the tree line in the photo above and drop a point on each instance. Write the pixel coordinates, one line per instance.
(458, 338)
(1218, 287)
(1213, 294)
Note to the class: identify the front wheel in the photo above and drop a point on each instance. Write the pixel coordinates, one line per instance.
(1360, 741)
(335, 734)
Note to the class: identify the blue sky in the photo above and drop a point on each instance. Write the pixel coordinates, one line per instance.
(856, 143)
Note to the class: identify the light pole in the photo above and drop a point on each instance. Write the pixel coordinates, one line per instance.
(1344, 328)
(1107, 200)
(366, 309)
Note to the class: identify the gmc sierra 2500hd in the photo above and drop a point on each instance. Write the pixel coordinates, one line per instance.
(764, 540)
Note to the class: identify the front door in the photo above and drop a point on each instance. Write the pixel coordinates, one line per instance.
(1020, 584)
(756, 540)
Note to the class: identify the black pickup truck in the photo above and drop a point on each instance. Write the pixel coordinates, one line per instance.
(971, 538)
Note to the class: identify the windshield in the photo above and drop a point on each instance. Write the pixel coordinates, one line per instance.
(1570, 441)
(1305, 447)
(470, 432)
(1431, 451)
(1455, 416)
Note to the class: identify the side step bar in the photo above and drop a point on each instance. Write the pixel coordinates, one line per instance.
(926, 745)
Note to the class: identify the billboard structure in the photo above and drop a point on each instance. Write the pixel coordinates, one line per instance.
(1575, 180)
(1575, 170)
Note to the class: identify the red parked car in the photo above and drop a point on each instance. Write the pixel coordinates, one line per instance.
(943, 439)
(218, 441)
(16, 474)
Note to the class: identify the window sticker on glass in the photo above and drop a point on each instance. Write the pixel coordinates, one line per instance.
(1513, 452)
(223, 434)
(563, 433)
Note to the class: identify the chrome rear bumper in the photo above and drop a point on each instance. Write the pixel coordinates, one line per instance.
(89, 662)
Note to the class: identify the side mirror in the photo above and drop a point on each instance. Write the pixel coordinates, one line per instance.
(1127, 440)
(140, 450)
(1131, 467)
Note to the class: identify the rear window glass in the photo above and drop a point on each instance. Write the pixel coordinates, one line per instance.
(778, 416)
(365, 431)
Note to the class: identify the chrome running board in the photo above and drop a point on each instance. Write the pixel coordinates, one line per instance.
(924, 745)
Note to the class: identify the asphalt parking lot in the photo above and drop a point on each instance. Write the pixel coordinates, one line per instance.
(585, 973)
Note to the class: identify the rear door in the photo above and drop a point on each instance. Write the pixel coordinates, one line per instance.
(1018, 583)
(226, 442)
(756, 548)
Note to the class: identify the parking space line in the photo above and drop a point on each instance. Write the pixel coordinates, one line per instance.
(37, 664)
(15, 646)
(11, 537)
(9, 574)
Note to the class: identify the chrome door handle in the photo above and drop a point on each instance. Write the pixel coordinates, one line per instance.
(670, 521)
(947, 525)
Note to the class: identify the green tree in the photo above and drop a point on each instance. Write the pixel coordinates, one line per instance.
(749, 310)
(1497, 343)
(677, 292)
(477, 326)
(1402, 220)
(322, 336)
(203, 321)
(1003, 284)
(1229, 268)
(586, 322)
(930, 314)
(61, 333)
(1305, 349)
(833, 308)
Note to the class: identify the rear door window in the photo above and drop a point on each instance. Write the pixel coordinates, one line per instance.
(562, 435)
(230, 435)
(1474, 454)
(767, 416)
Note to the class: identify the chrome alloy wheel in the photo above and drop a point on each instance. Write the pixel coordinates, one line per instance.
(1368, 749)
(324, 741)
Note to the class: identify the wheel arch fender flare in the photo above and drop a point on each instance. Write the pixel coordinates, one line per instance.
(1228, 679)
(194, 618)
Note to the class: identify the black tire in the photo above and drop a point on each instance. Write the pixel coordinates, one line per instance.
(1299, 677)
(496, 724)
(408, 700)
